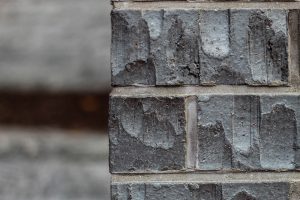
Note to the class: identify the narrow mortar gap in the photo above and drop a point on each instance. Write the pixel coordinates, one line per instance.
(191, 131)
(293, 47)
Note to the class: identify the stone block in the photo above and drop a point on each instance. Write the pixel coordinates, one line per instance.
(147, 134)
(248, 132)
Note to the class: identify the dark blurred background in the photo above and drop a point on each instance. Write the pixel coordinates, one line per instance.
(54, 86)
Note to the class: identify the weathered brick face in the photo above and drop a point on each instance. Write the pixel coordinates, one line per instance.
(206, 103)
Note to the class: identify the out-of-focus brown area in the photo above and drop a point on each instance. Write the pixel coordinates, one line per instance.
(80, 111)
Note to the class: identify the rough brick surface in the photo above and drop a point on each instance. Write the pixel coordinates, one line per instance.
(206, 47)
(193, 191)
(251, 132)
(243, 47)
(147, 134)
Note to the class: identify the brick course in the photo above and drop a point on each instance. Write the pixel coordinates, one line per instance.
(252, 132)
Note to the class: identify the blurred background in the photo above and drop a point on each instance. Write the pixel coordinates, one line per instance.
(54, 86)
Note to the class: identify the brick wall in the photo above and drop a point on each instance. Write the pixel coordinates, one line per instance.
(206, 103)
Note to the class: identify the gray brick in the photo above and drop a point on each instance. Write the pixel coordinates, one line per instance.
(193, 191)
(243, 47)
(251, 132)
(147, 134)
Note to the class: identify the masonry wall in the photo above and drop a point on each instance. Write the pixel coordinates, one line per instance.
(206, 103)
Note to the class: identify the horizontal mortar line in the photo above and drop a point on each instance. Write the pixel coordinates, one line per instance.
(168, 5)
(197, 90)
(252, 177)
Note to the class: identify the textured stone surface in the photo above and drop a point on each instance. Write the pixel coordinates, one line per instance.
(250, 132)
(147, 134)
(206, 47)
(193, 191)
(243, 47)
